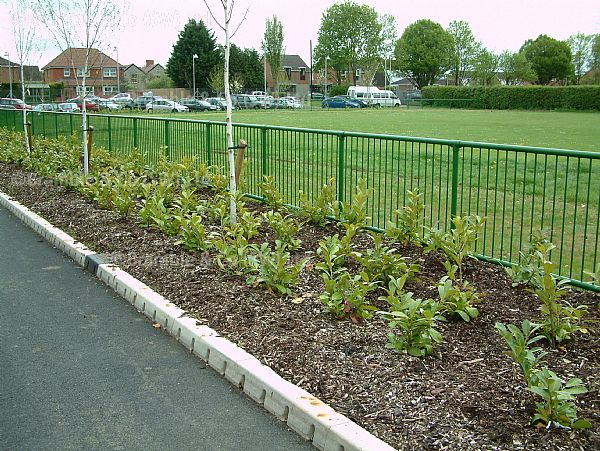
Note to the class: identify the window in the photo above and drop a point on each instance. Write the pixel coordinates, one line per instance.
(288, 72)
(134, 79)
(66, 72)
(110, 72)
(109, 90)
(303, 73)
(344, 75)
(88, 90)
(80, 72)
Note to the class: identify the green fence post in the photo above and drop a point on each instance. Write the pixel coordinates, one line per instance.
(264, 150)
(208, 144)
(32, 118)
(70, 122)
(454, 187)
(341, 165)
(136, 139)
(56, 125)
(43, 124)
(167, 141)
(109, 134)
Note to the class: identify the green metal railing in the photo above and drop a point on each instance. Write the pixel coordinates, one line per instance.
(520, 190)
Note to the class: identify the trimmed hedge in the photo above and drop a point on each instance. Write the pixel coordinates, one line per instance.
(338, 90)
(514, 97)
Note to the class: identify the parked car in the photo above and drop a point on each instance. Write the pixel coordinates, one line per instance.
(141, 101)
(45, 107)
(89, 104)
(8, 103)
(279, 104)
(296, 103)
(198, 105)
(219, 103)
(68, 107)
(245, 101)
(361, 103)
(166, 105)
(122, 96)
(316, 96)
(106, 104)
(339, 102)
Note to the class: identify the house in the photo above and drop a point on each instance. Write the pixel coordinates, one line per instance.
(136, 77)
(294, 76)
(103, 77)
(35, 88)
(9, 71)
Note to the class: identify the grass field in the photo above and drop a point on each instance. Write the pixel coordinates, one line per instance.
(518, 192)
(563, 130)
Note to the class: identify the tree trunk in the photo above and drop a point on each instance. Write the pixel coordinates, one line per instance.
(25, 131)
(230, 150)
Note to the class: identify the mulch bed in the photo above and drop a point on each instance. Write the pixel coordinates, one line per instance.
(467, 395)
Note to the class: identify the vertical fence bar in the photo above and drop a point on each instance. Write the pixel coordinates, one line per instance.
(263, 131)
(209, 144)
(136, 137)
(167, 140)
(454, 188)
(341, 163)
(109, 134)
(70, 122)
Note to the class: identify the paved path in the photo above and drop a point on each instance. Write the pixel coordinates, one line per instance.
(81, 369)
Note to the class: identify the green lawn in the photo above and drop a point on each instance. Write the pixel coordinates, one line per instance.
(564, 130)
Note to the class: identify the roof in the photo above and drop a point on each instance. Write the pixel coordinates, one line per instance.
(293, 61)
(5, 62)
(76, 57)
(149, 68)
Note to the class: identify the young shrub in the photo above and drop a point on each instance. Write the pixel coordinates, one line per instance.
(410, 220)
(192, 234)
(285, 229)
(233, 250)
(458, 300)
(324, 206)
(355, 212)
(272, 268)
(416, 319)
(273, 198)
(529, 270)
(381, 262)
(345, 296)
(335, 251)
(519, 341)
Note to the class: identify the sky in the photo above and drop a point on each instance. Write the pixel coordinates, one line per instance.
(149, 28)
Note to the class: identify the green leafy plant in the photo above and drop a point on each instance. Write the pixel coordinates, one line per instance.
(458, 299)
(381, 262)
(519, 341)
(529, 270)
(355, 212)
(409, 224)
(233, 250)
(272, 268)
(459, 242)
(335, 251)
(285, 228)
(345, 296)
(192, 234)
(324, 206)
(415, 319)
(273, 198)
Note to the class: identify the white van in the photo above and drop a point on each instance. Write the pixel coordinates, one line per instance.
(374, 96)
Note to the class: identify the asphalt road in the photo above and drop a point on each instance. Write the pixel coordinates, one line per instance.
(80, 368)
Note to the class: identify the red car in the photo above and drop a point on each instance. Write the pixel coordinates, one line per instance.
(13, 104)
(89, 105)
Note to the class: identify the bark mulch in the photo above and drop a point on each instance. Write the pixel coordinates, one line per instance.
(467, 395)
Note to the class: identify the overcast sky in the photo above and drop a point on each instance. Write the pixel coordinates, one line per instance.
(149, 28)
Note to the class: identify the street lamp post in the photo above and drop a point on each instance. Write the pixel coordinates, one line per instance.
(194, 57)
(326, 77)
(118, 75)
(9, 75)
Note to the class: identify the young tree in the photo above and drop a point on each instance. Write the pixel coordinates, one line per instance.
(515, 68)
(194, 39)
(350, 36)
(226, 27)
(24, 39)
(424, 52)
(80, 24)
(595, 59)
(581, 51)
(272, 46)
(550, 59)
(466, 50)
(485, 68)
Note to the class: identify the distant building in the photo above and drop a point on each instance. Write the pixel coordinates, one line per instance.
(35, 88)
(294, 76)
(68, 67)
(137, 77)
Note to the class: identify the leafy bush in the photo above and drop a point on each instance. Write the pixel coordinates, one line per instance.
(410, 219)
(355, 212)
(233, 250)
(338, 90)
(273, 198)
(457, 299)
(530, 268)
(285, 229)
(381, 262)
(272, 268)
(345, 296)
(192, 234)
(324, 206)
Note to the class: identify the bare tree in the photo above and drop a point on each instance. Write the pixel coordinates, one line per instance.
(24, 35)
(228, 7)
(83, 24)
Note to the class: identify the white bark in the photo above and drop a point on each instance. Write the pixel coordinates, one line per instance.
(230, 149)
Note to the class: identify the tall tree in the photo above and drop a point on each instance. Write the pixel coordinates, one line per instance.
(245, 65)
(596, 52)
(424, 52)
(194, 39)
(80, 24)
(272, 46)
(515, 68)
(466, 50)
(550, 59)
(485, 68)
(350, 36)
(581, 52)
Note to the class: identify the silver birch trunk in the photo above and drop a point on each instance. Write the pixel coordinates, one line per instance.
(84, 119)
(230, 150)
(26, 145)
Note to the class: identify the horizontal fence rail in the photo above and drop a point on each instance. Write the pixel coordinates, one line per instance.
(520, 190)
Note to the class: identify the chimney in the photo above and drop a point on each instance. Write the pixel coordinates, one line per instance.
(149, 63)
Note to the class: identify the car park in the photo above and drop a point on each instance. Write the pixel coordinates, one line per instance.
(339, 102)
(166, 105)
(68, 107)
(45, 107)
(9, 103)
(198, 105)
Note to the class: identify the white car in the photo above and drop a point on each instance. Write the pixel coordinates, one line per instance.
(68, 107)
(121, 96)
(108, 105)
(294, 102)
(166, 105)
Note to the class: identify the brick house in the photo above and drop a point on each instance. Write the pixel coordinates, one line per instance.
(294, 76)
(136, 77)
(68, 68)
